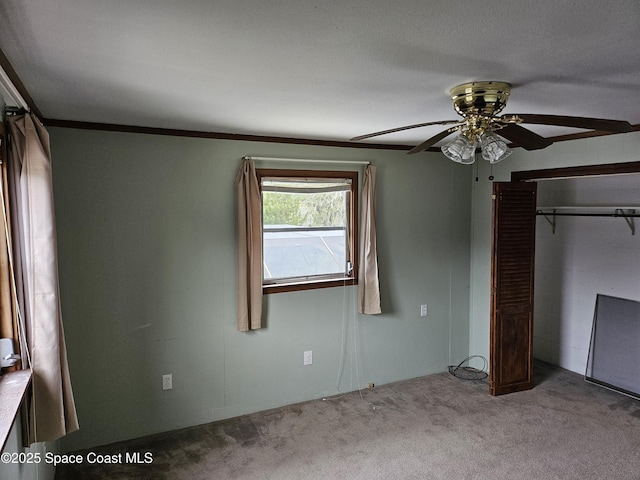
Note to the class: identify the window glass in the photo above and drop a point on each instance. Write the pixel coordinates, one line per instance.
(307, 227)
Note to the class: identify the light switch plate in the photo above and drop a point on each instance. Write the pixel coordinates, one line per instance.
(308, 357)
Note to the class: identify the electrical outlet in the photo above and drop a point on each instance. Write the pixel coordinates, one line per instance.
(370, 385)
(423, 310)
(167, 382)
(308, 357)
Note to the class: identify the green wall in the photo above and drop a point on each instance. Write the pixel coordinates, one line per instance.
(146, 241)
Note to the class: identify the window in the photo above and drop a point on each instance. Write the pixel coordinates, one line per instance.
(309, 234)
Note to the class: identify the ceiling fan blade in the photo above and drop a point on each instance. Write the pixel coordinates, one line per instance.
(523, 137)
(430, 142)
(408, 127)
(606, 125)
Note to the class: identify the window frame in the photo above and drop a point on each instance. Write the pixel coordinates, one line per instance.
(352, 228)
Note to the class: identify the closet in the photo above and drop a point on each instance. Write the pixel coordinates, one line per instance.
(586, 244)
(593, 250)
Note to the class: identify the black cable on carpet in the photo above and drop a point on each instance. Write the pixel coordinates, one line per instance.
(468, 372)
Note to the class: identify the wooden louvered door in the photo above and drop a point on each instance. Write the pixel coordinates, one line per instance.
(512, 267)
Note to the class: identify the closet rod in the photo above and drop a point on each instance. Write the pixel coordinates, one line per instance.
(617, 215)
(306, 160)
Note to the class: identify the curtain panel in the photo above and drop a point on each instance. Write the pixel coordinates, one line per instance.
(249, 225)
(51, 406)
(368, 283)
(8, 325)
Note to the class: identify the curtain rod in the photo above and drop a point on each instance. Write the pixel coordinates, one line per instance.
(305, 160)
(10, 91)
(10, 110)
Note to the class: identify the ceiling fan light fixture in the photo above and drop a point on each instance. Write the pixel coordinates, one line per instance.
(480, 98)
(479, 103)
(493, 149)
(460, 150)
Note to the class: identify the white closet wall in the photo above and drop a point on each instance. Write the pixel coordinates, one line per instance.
(585, 256)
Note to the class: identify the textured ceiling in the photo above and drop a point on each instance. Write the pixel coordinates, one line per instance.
(326, 70)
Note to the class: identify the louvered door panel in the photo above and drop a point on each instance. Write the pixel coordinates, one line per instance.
(512, 269)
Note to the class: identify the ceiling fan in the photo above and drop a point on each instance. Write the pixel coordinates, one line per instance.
(479, 103)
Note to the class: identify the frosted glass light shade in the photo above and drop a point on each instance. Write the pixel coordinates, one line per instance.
(493, 149)
(460, 150)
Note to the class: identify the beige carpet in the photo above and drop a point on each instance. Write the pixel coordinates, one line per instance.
(434, 427)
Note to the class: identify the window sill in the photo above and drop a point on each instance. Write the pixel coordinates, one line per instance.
(294, 287)
(13, 386)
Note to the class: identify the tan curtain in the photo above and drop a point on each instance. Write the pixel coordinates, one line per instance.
(368, 284)
(249, 248)
(8, 325)
(52, 412)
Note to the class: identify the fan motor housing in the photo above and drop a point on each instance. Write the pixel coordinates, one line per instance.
(480, 98)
